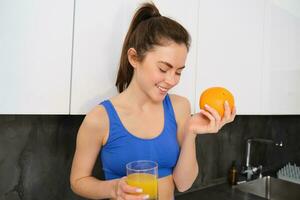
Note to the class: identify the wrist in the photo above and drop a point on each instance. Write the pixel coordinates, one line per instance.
(114, 188)
(189, 135)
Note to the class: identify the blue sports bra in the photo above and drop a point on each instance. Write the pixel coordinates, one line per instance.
(123, 147)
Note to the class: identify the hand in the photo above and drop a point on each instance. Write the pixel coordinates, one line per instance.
(209, 120)
(123, 191)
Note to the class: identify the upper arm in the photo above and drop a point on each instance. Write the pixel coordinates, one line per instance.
(182, 109)
(90, 137)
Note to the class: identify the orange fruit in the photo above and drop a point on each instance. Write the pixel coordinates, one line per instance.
(215, 97)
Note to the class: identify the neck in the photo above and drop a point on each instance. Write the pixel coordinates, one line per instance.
(136, 96)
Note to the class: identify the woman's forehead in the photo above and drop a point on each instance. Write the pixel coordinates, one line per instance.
(174, 53)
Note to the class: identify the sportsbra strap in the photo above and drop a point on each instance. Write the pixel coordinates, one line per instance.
(111, 112)
(168, 107)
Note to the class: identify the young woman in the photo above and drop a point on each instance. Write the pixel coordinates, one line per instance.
(144, 122)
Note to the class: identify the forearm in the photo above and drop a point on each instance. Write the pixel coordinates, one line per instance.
(92, 188)
(186, 169)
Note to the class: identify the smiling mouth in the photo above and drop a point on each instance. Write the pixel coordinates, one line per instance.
(162, 89)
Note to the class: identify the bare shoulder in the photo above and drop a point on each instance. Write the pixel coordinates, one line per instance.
(180, 104)
(89, 141)
(182, 109)
(95, 123)
(95, 116)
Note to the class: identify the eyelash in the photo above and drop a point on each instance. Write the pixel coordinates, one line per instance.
(163, 71)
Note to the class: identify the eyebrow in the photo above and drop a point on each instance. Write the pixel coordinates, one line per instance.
(169, 65)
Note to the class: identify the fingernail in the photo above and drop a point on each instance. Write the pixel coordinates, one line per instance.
(226, 102)
(146, 196)
(139, 190)
(207, 106)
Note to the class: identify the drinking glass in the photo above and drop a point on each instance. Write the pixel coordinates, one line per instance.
(143, 174)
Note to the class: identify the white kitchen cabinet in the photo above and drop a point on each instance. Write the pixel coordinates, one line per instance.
(281, 67)
(189, 19)
(35, 56)
(98, 36)
(230, 50)
(98, 33)
(251, 47)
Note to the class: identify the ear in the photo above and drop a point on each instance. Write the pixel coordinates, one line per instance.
(132, 57)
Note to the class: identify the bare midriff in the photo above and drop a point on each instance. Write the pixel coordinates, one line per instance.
(165, 188)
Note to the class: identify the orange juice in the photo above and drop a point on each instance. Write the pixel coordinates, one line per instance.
(147, 182)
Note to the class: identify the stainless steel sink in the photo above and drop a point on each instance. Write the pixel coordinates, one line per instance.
(272, 188)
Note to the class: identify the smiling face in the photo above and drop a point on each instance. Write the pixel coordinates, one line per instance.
(160, 69)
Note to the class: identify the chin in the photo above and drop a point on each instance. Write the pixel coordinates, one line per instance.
(159, 97)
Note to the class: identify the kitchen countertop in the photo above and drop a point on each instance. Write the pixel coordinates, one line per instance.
(218, 192)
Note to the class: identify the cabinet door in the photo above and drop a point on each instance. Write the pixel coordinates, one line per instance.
(230, 50)
(98, 38)
(98, 34)
(35, 56)
(189, 19)
(281, 70)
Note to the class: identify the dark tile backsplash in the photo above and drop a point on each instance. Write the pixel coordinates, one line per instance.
(36, 152)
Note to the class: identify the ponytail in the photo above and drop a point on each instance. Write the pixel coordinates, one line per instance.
(147, 28)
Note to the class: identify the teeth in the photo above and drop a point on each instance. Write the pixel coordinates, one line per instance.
(162, 89)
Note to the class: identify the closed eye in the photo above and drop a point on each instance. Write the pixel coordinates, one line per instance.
(162, 70)
(178, 72)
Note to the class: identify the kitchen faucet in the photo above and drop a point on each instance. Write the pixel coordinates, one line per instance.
(250, 170)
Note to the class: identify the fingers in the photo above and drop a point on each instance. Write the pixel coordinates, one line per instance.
(127, 192)
(214, 113)
(209, 120)
(129, 189)
(233, 114)
(214, 124)
(229, 114)
(227, 111)
(209, 116)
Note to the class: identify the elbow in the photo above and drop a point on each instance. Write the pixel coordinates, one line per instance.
(183, 186)
(185, 183)
(73, 185)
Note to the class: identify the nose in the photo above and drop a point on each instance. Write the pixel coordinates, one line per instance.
(171, 79)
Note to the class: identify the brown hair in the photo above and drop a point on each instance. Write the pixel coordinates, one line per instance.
(147, 28)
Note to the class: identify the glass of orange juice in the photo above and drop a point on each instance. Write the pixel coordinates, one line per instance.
(143, 174)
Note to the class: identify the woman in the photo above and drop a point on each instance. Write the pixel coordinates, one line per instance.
(143, 121)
